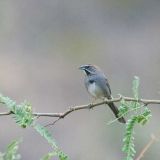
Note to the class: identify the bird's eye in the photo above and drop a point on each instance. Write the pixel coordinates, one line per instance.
(91, 81)
(87, 67)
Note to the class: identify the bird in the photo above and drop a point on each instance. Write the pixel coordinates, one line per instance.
(98, 86)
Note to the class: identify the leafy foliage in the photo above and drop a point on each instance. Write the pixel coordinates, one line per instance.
(49, 156)
(123, 109)
(60, 155)
(128, 139)
(22, 113)
(47, 135)
(136, 118)
(135, 90)
(135, 87)
(11, 152)
(144, 117)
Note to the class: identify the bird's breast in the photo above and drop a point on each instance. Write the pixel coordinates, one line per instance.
(95, 90)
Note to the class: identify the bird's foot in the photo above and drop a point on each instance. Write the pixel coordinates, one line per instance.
(90, 106)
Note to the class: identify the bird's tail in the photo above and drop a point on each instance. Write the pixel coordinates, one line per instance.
(115, 111)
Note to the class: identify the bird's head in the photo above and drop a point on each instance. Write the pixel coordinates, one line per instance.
(90, 69)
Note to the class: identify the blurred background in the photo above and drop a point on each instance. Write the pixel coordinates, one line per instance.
(42, 44)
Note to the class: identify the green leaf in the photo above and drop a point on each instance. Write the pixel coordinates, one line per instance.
(135, 90)
(135, 87)
(10, 104)
(62, 156)
(21, 113)
(144, 117)
(46, 134)
(11, 152)
(137, 117)
(128, 140)
(49, 155)
(123, 109)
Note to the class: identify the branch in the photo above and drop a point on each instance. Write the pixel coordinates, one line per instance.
(92, 105)
(5, 113)
(88, 106)
(76, 108)
(147, 146)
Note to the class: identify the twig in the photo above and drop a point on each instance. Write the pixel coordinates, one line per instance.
(6, 113)
(147, 146)
(51, 124)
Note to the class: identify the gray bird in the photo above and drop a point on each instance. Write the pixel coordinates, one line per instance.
(97, 85)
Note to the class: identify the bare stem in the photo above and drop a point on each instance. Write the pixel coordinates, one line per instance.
(88, 106)
(147, 146)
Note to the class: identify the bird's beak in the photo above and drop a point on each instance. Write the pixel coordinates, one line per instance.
(82, 68)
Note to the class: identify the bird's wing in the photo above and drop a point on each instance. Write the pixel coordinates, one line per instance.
(102, 82)
(106, 81)
(107, 84)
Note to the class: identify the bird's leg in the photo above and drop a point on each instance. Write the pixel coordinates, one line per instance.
(104, 99)
(92, 102)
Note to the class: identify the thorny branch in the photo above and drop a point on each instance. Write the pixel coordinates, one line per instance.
(87, 106)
